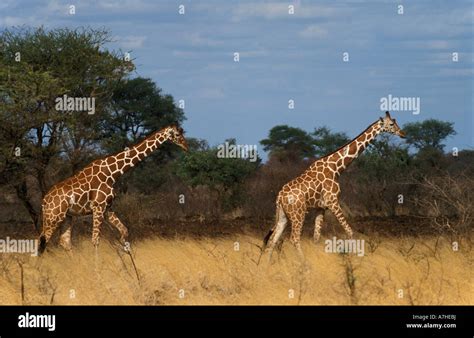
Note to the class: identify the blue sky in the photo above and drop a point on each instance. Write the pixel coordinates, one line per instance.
(285, 57)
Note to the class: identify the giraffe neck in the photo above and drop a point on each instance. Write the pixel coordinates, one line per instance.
(348, 153)
(130, 157)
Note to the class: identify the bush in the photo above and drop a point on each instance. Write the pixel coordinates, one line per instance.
(447, 201)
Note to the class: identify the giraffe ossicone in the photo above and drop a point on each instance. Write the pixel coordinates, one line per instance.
(91, 190)
(318, 188)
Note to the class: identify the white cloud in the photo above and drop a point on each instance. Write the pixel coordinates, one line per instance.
(184, 54)
(253, 53)
(9, 21)
(428, 44)
(197, 39)
(277, 10)
(446, 57)
(314, 11)
(438, 44)
(266, 10)
(6, 3)
(216, 67)
(210, 93)
(435, 25)
(314, 32)
(131, 41)
(127, 6)
(468, 72)
(161, 71)
(54, 7)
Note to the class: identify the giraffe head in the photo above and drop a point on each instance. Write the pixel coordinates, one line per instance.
(176, 135)
(390, 125)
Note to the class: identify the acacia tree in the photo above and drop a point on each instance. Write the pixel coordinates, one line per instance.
(427, 138)
(326, 141)
(428, 134)
(36, 67)
(288, 143)
(137, 108)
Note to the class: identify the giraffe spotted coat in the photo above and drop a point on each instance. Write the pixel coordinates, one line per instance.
(318, 188)
(91, 190)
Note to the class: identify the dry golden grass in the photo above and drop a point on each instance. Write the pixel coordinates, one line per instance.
(210, 271)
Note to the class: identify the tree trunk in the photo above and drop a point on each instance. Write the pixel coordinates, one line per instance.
(22, 193)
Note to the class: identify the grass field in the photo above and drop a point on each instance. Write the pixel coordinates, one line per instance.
(394, 270)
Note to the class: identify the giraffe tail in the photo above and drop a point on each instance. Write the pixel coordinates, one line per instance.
(272, 230)
(267, 238)
(264, 246)
(42, 244)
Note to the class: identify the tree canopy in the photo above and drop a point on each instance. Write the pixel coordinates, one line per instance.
(204, 167)
(292, 143)
(428, 133)
(37, 140)
(326, 141)
(286, 142)
(137, 108)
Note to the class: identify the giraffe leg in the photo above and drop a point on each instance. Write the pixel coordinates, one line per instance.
(50, 224)
(65, 239)
(276, 232)
(296, 227)
(97, 219)
(337, 211)
(317, 225)
(115, 221)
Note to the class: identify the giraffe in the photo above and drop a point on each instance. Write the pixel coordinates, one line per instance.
(318, 188)
(91, 191)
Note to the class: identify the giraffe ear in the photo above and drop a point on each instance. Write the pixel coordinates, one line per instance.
(387, 114)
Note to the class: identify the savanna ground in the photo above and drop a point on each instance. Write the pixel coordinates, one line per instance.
(195, 262)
